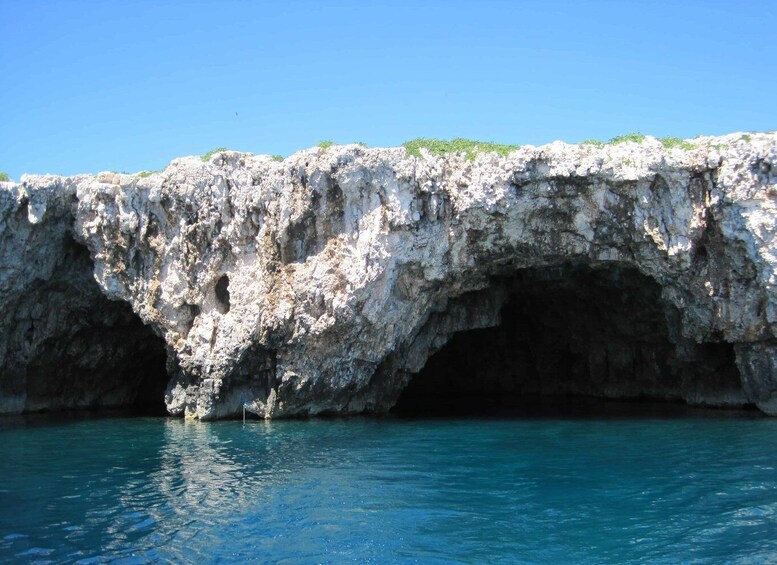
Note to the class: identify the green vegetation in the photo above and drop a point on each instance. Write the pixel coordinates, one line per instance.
(211, 153)
(144, 174)
(670, 142)
(3, 177)
(635, 137)
(327, 143)
(747, 137)
(469, 147)
(277, 157)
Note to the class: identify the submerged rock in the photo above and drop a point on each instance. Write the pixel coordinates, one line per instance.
(325, 282)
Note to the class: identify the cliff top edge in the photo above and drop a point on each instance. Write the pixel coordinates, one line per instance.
(461, 150)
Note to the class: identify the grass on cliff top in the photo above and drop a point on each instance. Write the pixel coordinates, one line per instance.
(212, 152)
(637, 137)
(3, 177)
(469, 147)
(670, 142)
(326, 144)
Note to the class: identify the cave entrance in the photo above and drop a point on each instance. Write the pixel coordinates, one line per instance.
(149, 371)
(76, 349)
(569, 337)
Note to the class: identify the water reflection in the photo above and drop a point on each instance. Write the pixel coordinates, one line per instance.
(361, 490)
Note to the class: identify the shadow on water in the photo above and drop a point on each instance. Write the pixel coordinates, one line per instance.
(452, 407)
(559, 407)
(69, 417)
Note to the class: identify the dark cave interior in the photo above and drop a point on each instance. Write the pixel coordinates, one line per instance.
(571, 336)
(80, 350)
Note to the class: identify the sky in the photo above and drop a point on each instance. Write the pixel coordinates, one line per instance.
(128, 86)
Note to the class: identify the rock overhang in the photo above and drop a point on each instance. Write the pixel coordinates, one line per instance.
(343, 265)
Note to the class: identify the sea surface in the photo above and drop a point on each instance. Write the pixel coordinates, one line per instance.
(543, 489)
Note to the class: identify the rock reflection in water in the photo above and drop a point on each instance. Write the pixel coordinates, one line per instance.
(532, 489)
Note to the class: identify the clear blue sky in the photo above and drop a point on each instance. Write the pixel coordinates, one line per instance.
(89, 86)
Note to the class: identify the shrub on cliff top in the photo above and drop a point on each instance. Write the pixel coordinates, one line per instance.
(635, 137)
(326, 144)
(594, 142)
(3, 177)
(639, 138)
(669, 142)
(212, 152)
(469, 147)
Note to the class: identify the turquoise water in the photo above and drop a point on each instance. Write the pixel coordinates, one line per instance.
(546, 490)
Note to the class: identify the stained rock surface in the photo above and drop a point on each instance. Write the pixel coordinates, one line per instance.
(333, 280)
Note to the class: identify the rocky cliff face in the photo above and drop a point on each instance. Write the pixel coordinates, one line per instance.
(326, 282)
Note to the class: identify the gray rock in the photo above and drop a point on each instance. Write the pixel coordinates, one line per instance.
(323, 283)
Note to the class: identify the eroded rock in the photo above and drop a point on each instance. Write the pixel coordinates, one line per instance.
(320, 284)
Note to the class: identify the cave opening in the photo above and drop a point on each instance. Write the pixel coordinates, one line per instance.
(77, 349)
(571, 339)
(149, 371)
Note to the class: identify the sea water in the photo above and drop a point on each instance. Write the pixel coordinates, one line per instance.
(544, 490)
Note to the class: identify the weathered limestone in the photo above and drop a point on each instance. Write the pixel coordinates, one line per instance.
(324, 282)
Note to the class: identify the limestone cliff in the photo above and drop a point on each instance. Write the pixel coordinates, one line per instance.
(325, 282)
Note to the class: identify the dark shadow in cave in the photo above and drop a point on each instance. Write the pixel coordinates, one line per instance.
(571, 336)
(83, 351)
(151, 368)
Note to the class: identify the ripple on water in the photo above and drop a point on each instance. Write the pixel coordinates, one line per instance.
(144, 490)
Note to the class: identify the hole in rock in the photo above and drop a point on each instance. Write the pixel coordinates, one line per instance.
(222, 294)
(569, 337)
